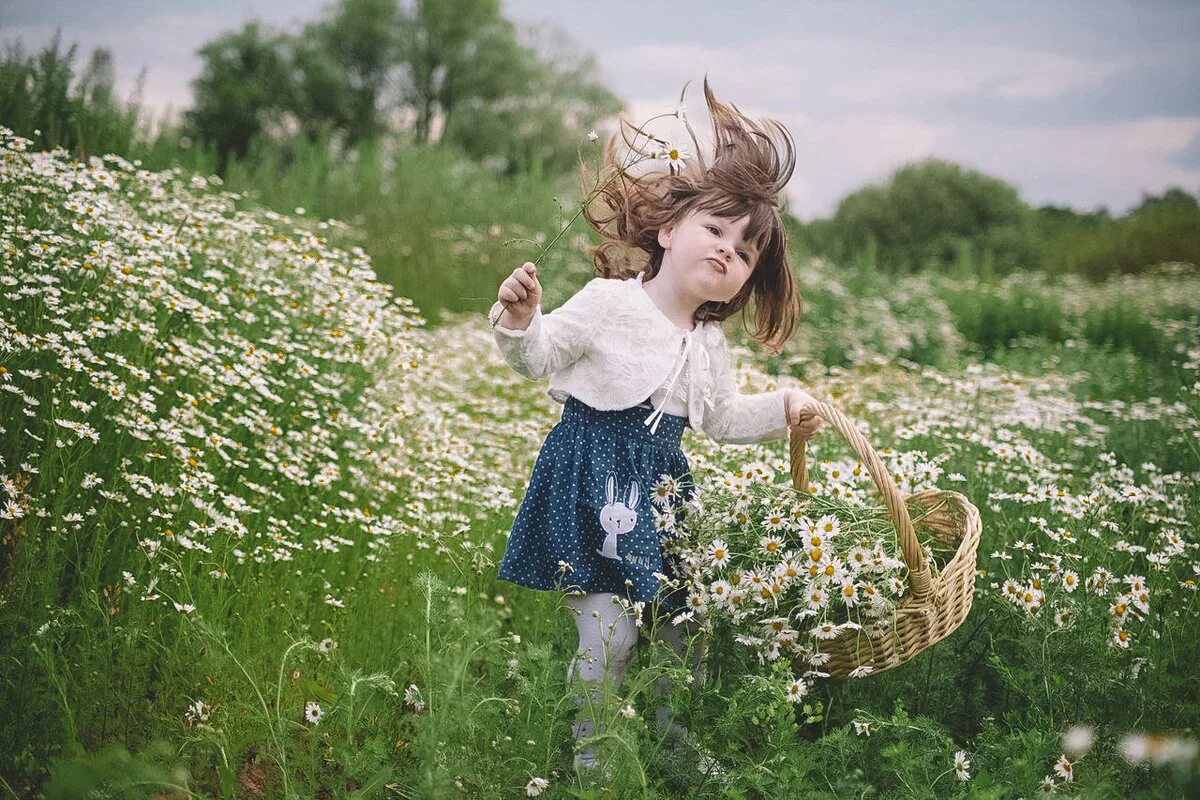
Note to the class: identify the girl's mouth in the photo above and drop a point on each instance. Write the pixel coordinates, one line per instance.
(717, 265)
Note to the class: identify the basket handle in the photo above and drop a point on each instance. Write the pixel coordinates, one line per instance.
(919, 578)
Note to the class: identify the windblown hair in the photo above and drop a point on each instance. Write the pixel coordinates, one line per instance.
(749, 170)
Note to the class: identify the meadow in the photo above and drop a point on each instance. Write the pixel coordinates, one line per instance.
(252, 501)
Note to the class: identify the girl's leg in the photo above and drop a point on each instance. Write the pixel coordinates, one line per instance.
(678, 638)
(607, 635)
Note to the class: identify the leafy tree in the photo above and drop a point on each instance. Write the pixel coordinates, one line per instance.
(455, 71)
(445, 45)
(345, 64)
(1159, 229)
(41, 100)
(928, 212)
(542, 104)
(245, 84)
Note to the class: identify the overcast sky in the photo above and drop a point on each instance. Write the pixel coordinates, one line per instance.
(1076, 103)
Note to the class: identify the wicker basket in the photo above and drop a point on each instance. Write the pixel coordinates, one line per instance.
(935, 604)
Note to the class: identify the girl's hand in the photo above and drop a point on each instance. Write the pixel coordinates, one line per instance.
(520, 293)
(800, 414)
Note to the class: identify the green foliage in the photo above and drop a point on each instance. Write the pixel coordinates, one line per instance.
(937, 215)
(345, 61)
(443, 226)
(926, 214)
(536, 120)
(438, 71)
(41, 99)
(1161, 229)
(115, 772)
(244, 81)
(994, 316)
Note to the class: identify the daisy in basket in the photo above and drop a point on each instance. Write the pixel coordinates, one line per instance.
(785, 571)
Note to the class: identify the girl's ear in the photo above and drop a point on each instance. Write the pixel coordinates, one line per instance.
(664, 235)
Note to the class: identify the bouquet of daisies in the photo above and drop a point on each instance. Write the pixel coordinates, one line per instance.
(785, 570)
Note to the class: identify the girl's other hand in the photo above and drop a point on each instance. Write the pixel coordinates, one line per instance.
(800, 414)
(520, 293)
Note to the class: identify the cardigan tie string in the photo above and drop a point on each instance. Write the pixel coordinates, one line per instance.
(657, 414)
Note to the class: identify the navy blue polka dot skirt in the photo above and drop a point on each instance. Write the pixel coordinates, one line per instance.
(597, 513)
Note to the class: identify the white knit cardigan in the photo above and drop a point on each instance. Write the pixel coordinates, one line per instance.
(610, 346)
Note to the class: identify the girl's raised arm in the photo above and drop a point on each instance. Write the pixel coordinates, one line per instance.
(554, 340)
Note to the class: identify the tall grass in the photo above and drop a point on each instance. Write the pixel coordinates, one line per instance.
(441, 228)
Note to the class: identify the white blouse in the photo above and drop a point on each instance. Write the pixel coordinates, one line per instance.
(611, 347)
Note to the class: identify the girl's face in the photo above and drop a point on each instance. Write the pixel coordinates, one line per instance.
(708, 254)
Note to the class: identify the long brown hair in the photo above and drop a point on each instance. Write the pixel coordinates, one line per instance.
(752, 163)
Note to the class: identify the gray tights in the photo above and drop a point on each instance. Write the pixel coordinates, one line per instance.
(608, 633)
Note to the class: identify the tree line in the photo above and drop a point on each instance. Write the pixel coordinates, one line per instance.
(935, 214)
(458, 74)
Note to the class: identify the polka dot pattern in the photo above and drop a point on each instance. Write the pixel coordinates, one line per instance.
(588, 504)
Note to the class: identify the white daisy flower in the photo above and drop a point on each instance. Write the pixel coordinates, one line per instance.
(826, 630)
(848, 592)
(718, 553)
(719, 592)
(796, 690)
(664, 490)
(787, 570)
(536, 786)
(312, 712)
(816, 598)
(828, 526)
(198, 711)
(771, 545)
(675, 155)
(775, 519)
(962, 765)
(859, 558)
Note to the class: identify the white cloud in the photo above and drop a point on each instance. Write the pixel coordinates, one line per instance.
(1083, 166)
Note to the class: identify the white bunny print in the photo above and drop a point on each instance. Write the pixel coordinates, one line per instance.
(617, 517)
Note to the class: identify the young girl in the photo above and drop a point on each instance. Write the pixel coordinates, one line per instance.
(684, 250)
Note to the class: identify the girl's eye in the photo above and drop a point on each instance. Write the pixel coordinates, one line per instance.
(714, 230)
(745, 256)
